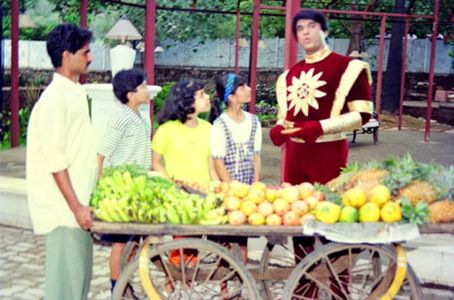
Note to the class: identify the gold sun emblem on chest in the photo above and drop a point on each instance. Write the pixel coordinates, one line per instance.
(304, 92)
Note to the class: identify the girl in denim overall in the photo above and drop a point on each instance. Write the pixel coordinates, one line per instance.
(235, 138)
(236, 135)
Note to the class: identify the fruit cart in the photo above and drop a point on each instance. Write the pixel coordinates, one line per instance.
(199, 266)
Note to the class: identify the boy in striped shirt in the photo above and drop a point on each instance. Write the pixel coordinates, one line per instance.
(126, 141)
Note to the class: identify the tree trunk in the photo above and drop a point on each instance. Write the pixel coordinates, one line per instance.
(391, 86)
(355, 37)
(356, 28)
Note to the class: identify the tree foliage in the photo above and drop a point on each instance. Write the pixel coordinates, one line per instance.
(184, 25)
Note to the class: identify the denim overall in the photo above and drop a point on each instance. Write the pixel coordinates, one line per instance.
(239, 159)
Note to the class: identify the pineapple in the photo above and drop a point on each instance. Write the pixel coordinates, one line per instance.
(418, 191)
(443, 180)
(408, 178)
(342, 182)
(441, 211)
(368, 178)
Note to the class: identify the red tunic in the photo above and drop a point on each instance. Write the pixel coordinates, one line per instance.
(315, 91)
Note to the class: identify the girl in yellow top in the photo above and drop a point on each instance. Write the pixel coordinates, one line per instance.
(181, 147)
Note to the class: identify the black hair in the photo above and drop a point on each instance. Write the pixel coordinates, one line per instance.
(180, 101)
(66, 37)
(310, 14)
(127, 81)
(216, 106)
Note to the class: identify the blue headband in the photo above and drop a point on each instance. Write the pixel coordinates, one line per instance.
(228, 86)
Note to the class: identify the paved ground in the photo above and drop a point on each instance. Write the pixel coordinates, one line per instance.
(22, 266)
(22, 253)
(391, 143)
(22, 269)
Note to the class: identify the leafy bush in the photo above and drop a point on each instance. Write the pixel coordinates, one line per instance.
(266, 113)
(266, 94)
(5, 126)
(161, 97)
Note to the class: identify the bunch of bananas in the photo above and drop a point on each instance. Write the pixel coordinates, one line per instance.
(129, 194)
(183, 208)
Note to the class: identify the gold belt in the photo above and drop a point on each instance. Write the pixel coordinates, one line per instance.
(330, 137)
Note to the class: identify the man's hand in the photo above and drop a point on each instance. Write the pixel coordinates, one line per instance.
(83, 217)
(276, 135)
(309, 131)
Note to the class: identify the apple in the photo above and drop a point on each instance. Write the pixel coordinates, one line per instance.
(265, 208)
(256, 219)
(248, 207)
(291, 218)
(306, 189)
(281, 206)
(232, 203)
(300, 207)
(273, 220)
(319, 195)
(237, 217)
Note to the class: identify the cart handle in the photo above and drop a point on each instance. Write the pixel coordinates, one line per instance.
(399, 277)
(143, 271)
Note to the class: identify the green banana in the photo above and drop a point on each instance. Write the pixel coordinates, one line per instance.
(214, 213)
(171, 214)
(216, 221)
(122, 214)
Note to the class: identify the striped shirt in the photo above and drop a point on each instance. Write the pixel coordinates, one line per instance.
(127, 139)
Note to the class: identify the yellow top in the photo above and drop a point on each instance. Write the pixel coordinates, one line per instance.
(185, 150)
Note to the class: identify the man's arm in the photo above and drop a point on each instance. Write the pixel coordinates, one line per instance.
(82, 213)
(221, 170)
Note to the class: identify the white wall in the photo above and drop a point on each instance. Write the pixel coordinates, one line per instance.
(220, 53)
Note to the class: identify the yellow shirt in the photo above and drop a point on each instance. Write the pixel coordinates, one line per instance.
(185, 150)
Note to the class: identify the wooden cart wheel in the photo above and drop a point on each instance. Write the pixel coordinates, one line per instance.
(345, 271)
(276, 264)
(277, 261)
(130, 251)
(189, 269)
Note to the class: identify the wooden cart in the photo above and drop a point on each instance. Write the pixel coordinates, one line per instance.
(201, 266)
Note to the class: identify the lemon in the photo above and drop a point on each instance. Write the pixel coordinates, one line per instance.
(348, 215)
(327, 212)
(355, 197)
(391, 212)
(369, 212)
(379, 195)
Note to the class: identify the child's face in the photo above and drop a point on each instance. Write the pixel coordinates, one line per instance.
(202, 102)
(140, 96)
(242, 94)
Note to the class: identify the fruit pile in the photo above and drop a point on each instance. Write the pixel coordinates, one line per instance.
(373, 206)
(258, 204)
(390, 191)
(130, 194)
(425, 192)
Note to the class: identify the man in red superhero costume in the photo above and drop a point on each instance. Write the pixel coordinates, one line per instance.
(320, 99)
